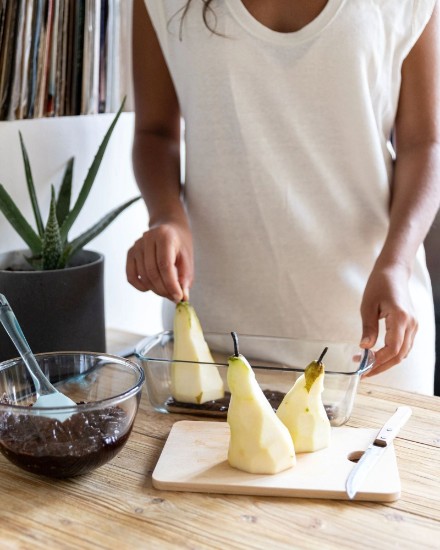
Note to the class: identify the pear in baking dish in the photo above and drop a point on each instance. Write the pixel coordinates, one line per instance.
(192, 382)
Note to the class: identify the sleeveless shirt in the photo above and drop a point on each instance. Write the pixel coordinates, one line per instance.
(288, 166)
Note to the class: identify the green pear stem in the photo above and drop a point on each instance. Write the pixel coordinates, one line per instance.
(235, 338)
(321, 357)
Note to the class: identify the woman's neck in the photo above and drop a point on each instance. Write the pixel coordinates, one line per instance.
(284, 15)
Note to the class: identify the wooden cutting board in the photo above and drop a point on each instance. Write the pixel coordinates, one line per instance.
(194, 459)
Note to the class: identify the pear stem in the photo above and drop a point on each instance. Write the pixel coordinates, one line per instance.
(324, 351)
(235, 338)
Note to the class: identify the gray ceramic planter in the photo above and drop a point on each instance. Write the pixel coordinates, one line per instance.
(59, 310)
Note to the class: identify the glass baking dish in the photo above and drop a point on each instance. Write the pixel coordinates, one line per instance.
(277, 363)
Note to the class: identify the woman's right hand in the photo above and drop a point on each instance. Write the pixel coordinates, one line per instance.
(162, 261)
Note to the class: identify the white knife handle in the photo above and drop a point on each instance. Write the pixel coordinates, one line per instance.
(392, 427)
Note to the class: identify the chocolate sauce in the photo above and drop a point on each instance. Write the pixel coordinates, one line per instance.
(81, 443)
(219, 407)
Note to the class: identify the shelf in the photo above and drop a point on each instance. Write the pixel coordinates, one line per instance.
(64, 57)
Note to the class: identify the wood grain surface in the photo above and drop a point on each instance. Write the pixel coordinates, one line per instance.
(117, 507)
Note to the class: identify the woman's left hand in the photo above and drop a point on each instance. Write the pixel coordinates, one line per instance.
(386, 296)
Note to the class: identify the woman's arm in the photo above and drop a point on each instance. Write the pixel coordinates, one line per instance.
(415, 198)
(162, 259)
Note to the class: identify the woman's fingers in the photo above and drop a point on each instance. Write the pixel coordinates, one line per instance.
(161, 261)
(132, 271)
(185, 272)
(167, 271)
(399, 337)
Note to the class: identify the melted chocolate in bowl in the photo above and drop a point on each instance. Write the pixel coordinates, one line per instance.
(81, 443)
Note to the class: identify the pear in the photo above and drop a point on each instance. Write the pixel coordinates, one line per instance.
(259, 443)
(192, 382)
(303, 412)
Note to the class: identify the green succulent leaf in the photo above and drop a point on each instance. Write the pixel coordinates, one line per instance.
(95, 230)
(36, 262)
(90, 178)
(52, 244)
(65, 193)
(18, 222)
(31, 188)
(49, 245)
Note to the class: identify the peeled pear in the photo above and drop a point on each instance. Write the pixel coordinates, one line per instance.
(302, 410)
(192, 382)
(259, 443)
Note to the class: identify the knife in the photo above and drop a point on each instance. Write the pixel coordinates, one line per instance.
(374, 452)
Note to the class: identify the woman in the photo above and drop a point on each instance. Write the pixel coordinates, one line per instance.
(304, 220)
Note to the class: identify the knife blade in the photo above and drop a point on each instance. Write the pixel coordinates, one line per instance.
(376, 450)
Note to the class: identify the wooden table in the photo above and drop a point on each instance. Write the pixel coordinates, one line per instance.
(117, 507)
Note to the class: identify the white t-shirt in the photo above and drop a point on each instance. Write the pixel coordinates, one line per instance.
(288, 165)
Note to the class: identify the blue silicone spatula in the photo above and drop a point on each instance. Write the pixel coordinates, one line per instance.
(47, 395)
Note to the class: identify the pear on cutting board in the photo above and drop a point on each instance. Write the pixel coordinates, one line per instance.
(192, 382)
(259, 443)
(303, 412)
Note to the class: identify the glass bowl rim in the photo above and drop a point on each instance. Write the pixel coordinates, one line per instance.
(91, 405)
(366, 363)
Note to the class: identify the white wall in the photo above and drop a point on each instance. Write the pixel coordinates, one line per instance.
(50, 143)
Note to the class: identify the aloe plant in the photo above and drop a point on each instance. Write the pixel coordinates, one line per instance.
(49, 244)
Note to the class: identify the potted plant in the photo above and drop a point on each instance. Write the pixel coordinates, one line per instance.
(55, 287)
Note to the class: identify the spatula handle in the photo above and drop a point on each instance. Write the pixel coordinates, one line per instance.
(12, 327)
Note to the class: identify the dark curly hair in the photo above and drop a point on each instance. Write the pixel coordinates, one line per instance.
(207, 9)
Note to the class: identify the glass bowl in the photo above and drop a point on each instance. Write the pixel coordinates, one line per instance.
(277, 363)
(107, 390)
